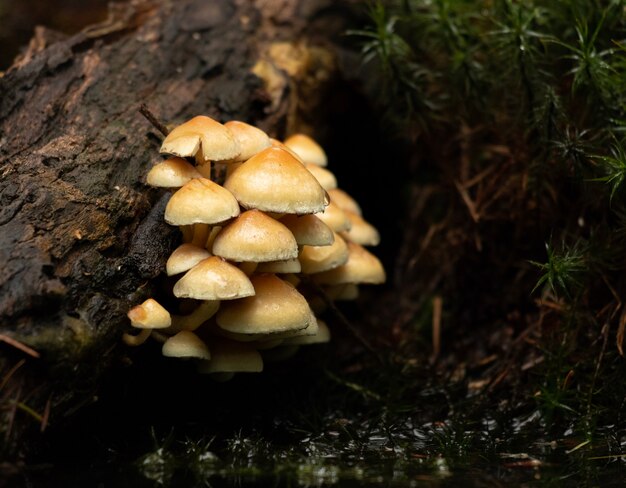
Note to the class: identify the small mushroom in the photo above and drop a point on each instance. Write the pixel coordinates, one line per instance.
(308, 150)
(309, 230)
(315, 259)
(360, 231)
(185, 344)
(361, 267)
(185, 257)
(344, 201)
(325, 177)
(172, 173)
(334, 217)
(147, 316)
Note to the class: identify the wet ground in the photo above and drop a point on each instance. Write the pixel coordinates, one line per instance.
(318, 421)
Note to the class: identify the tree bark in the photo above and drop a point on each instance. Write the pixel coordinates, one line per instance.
(81, 235)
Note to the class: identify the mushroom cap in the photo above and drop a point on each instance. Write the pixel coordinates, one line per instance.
(255, 237)
(322, 335)
(315, 259)
(185, 257)
(308, 150)
(251, 139)
(361, 267)
(201, 201)
(185, 344)
(334, 217)
(214, 279)
(277, 143)
(172, 173)
(231, 357)
(149, 315)
(275, 181)
(325, 178)
(286, 266)
(360, 231)
(309, 230)
(344, 201)
(343, 292)
(214, 140)
(276, 307)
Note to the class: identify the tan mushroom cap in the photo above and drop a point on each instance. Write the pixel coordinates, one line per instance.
(201, 201)
(308, 150)
(334, 217)
(279, 144)
(255, 237)
(214, 140)
(149, 315)
(323, 176)
(172, 173)
(185, 344)
(185, 257)
(360, 231)
(251, 139)
(362, 267)
(281, 267)
(276, 307)
(231, 357)
(275, 181)
(344, 201)
(321, 336)
(309, 230)
(315, 259)
(214, 279)
(343, 292)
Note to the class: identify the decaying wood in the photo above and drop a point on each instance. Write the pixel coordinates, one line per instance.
(81, 236)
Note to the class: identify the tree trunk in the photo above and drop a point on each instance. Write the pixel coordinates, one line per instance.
(81, 235)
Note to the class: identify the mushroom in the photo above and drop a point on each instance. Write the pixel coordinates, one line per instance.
(360, 231)
(252, 140)
(322, 335)
(315, 259)
(323, 176)
(255, 237)
(361, 267)
(172, 173)
(309, 230)
(185, 257)
(147, 316)
(185, 344)
(275, 181)
(280, 267)
(344, 201)
(214, 279)
(334, 217)
(308, 150)
(276, 307)
(201, 201)
(231, 357)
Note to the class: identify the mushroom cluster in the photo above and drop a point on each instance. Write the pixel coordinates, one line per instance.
(251, 245)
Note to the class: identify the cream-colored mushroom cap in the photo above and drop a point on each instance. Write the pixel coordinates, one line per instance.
(251, 139)
(315, 259)
(276, 307)
(322, 336)
(286, 266)
(185, 344)
(201, 201)
(215, 141)
(231, 357)
(274, 181)
(344, 201)
(360, 231)
(323, 176)
(214, 279)
(185, 257)
(255, 237)
(149, 315)
(277, 143)
(308, 150)
(309, 230)
(172, 173)
(334, 217)
(361, 267)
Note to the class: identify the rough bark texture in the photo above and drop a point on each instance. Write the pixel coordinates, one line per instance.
(81, 236)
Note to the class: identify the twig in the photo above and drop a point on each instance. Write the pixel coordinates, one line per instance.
(11, 372)
(18, 345)
(45, 418)
(145, 111)
(437, 309)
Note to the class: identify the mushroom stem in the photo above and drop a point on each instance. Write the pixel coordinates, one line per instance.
(248, 268)
(200, 234)
(136, 340)
(195, 319)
